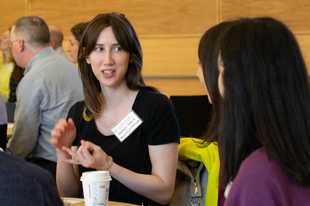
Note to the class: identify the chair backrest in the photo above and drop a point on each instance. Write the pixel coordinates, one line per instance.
(10, 108)
(3, 137)
(194, 113)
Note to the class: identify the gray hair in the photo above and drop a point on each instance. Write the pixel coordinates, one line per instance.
(33, 30)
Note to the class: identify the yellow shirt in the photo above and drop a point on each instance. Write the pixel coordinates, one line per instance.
(5, 76)
(189, 149)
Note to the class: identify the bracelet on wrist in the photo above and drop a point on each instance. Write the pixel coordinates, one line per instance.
(109, 164)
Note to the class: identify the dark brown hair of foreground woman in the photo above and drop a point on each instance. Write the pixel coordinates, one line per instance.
(266, 98)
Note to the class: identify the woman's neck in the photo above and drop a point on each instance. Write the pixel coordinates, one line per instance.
(116, 97)
(7, 57)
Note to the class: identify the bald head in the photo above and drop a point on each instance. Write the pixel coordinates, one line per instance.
(56, 36)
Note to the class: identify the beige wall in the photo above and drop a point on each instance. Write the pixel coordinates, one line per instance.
(169, 30)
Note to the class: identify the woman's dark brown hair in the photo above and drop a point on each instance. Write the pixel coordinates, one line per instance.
(78, 29)
(208, 53)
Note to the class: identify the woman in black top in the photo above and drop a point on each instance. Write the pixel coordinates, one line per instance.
(140, 155)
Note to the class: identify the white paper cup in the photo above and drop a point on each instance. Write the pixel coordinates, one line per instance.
(96, 186)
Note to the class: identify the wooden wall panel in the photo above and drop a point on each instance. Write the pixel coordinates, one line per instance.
(304, 43)
(294, 13)
(10, 11)
(147, 17)
(170, 56)
(177, 86)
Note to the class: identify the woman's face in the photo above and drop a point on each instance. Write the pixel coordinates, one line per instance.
(73, 48)
(199, 74)
(220, 81)
(4, 41)
(108, 60)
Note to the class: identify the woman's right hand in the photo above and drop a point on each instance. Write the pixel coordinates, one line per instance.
(63, 133)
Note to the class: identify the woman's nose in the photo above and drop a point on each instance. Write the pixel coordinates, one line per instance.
(108, 58)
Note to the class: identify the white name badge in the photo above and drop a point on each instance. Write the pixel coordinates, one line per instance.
(123, 129)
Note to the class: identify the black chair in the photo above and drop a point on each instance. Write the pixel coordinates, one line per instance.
(3, 137)
(10, 108)
(194, 113)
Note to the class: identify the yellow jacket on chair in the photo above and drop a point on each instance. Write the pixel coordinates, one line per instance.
(191, 149)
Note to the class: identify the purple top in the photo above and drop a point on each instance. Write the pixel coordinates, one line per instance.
(261, 181)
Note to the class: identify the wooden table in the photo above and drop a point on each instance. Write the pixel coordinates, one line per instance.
(111, 203)
(77, 202)
(9, 130)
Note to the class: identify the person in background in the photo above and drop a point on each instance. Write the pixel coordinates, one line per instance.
(3, 124)
(56, 38)
(264, 126)
(6, 66)
(143, 161)
(23, 184)
(10, 72)
(74, 39)
(51, 85)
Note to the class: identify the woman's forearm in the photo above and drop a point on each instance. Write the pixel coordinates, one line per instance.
(68, 183)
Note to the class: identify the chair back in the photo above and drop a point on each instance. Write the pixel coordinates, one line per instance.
(3, 137)
(194, 113)
(10, 108)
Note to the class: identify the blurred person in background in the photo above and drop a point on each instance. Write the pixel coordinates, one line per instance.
(10, 72)
(57, 38)
(74, 39)
(51, 85)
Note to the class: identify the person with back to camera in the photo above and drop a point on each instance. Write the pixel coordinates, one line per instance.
(25, 184)
(74, 39)
(142, 163)
(51, 85)
(56, 38)
(264, 127)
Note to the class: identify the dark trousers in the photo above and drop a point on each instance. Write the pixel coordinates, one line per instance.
(45, 164)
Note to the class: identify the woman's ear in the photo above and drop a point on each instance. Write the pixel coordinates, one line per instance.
(87, 60)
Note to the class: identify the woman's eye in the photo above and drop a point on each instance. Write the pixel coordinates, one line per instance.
(118, 48)
(99, 49)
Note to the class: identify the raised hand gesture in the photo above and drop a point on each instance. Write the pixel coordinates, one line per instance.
(63, 133)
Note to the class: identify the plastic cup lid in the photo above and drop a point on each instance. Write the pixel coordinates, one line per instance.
(96, 176)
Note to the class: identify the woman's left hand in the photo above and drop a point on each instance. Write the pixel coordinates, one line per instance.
(89, 155)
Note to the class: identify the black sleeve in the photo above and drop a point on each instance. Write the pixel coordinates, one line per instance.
(163, 125)
(76, 113)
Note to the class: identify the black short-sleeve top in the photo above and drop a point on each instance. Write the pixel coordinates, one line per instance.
(160, 126)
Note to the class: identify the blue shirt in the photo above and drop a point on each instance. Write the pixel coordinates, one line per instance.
(51, 85)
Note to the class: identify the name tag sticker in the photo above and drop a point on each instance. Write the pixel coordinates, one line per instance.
(129, 124)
